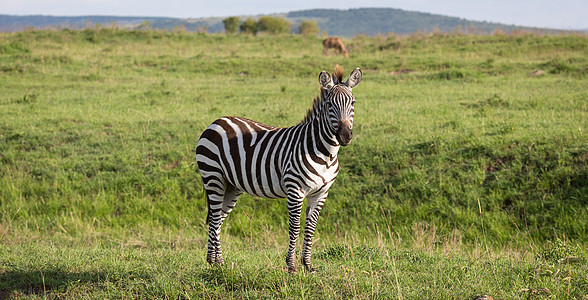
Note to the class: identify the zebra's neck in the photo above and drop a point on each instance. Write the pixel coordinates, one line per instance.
(320, 136)
(323, 136)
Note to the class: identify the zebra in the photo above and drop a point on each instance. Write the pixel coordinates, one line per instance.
(237, 155)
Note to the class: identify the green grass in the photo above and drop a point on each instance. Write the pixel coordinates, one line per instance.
(257, 271)
(467, 175)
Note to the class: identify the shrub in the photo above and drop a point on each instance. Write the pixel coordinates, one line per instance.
(308, 27)
(273, 25)
(231, 24)
(249, 26)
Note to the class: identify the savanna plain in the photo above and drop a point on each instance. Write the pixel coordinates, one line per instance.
(467, 176)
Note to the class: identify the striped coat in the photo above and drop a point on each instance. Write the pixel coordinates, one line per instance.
(237, 155)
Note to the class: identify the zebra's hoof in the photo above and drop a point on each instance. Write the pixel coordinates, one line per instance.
(216, 264)
(309, 269)
(215, 260)
(210, 260)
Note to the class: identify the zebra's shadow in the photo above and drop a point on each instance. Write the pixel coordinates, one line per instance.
(18, 283)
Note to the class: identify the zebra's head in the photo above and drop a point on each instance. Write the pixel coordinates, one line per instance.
(339, 101)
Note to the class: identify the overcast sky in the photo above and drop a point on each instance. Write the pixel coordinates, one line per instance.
(560, 14)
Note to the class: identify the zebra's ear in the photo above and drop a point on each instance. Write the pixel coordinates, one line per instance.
(325, 80)
(354, 78)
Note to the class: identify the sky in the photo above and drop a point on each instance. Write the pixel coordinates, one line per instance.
(557, 14)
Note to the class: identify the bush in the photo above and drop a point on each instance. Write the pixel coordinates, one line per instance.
(231, 24)
(273, 25)
(249, 26)
(308, 27)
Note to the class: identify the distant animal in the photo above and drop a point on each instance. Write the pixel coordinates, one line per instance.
(336, 43)
(237, 155)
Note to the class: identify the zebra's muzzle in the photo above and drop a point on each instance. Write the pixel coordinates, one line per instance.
(344, 134)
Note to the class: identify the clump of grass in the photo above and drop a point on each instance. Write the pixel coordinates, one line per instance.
(571, 66)
(13, 48)
(449, 74)
(494, 101)
(562, 252)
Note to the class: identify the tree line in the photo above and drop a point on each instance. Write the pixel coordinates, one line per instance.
(269, 25)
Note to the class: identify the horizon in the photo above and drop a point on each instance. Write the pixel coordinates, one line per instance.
(564, 14)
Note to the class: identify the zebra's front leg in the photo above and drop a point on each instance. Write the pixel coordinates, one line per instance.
(294, 209)
(313, 208)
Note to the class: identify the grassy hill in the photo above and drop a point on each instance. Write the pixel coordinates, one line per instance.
(11, 23)
(468, 174)
(346, 23)
(372, 21)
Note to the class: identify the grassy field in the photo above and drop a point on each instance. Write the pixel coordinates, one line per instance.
(467, 176)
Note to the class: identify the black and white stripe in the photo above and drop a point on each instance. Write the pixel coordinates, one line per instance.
(237, 155)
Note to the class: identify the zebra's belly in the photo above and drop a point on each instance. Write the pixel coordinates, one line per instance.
(261, 184)
(311, 178)
(272, 185)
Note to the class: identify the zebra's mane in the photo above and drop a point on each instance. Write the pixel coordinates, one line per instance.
(317, 102)
(338, 74)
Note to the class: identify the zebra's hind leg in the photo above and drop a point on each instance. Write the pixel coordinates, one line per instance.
(214, 225)
(313, 208)
(219, 208)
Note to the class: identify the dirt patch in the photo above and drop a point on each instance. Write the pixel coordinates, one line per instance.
(537, 73)
(402, 72)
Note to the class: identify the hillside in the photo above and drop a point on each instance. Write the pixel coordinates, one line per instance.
(347, 23)
(18, 23)
(372, 21)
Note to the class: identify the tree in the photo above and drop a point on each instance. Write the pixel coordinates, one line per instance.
(308, 27)
(232, 24)
(273, 25)
(249, 26)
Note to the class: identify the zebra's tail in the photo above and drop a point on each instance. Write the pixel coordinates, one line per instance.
(208, 207)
